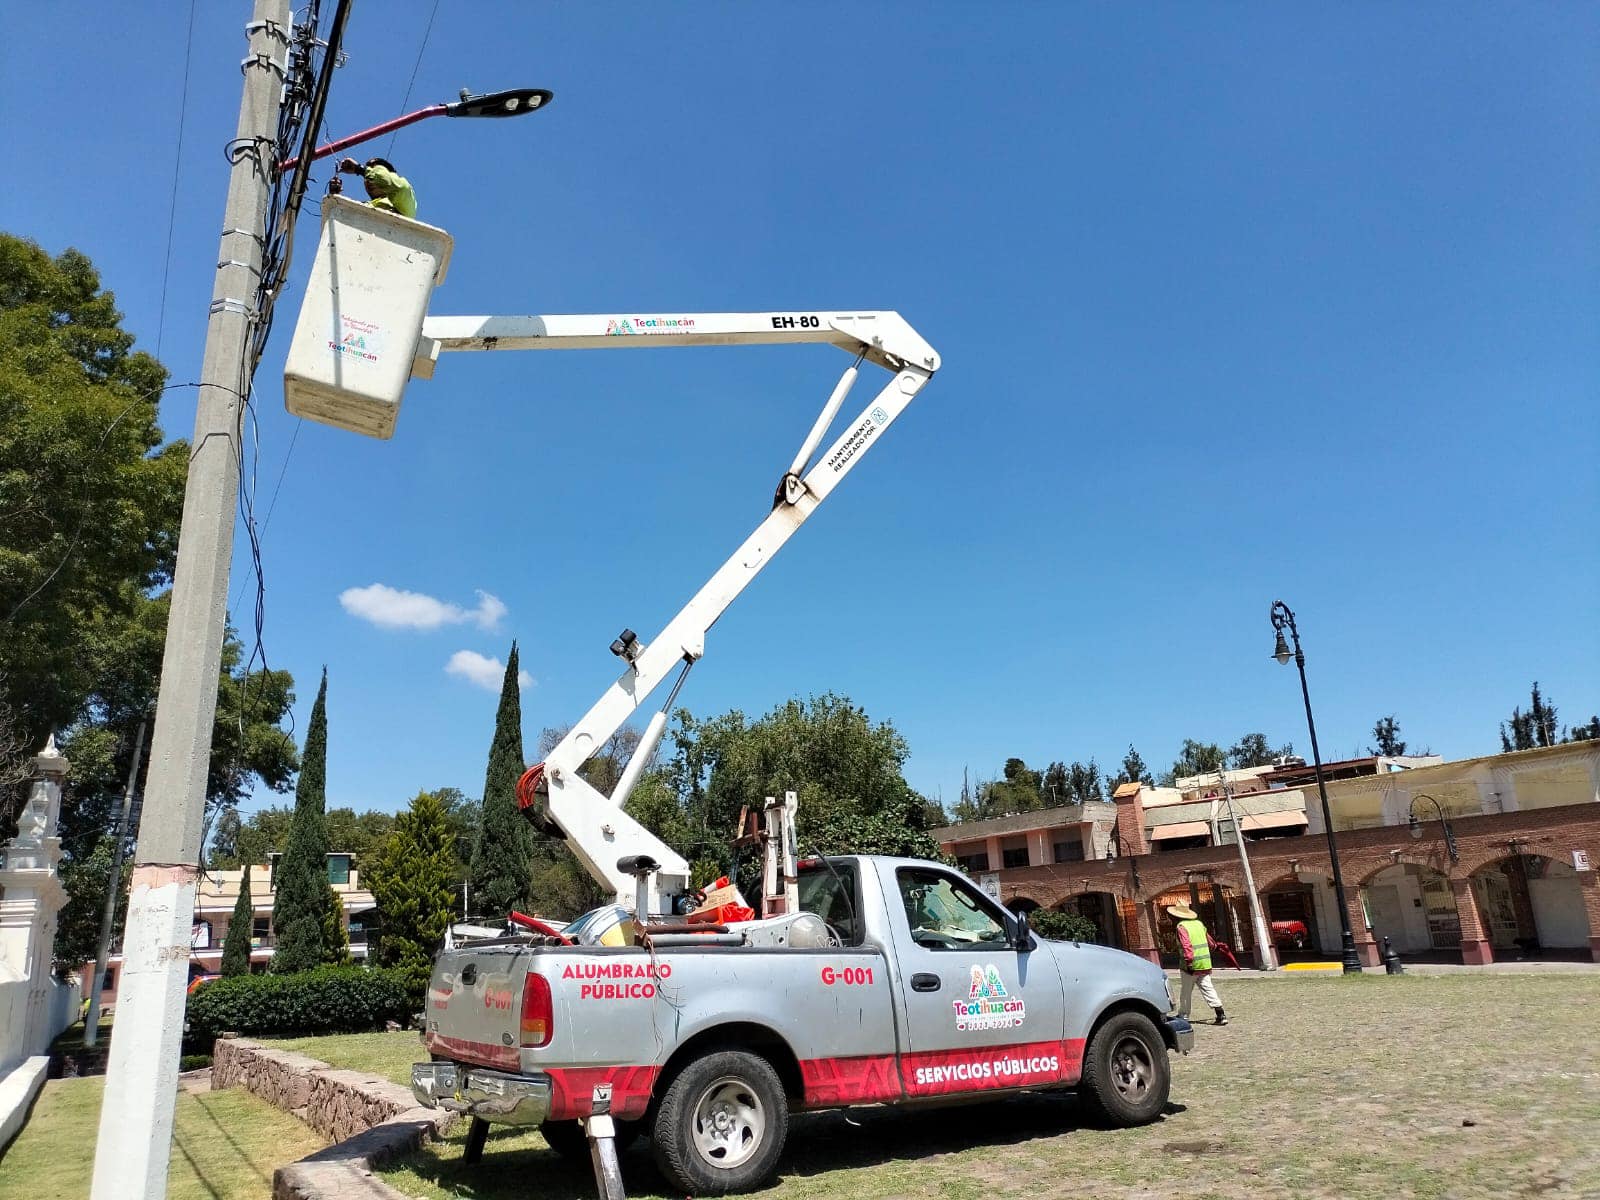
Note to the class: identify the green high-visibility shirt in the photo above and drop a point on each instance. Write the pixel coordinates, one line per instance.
(1195, 945)
(390, 191)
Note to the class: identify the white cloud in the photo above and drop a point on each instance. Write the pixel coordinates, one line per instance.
(392, 608)
(488, 673)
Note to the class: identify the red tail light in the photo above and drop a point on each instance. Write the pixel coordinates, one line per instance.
(538, 1013)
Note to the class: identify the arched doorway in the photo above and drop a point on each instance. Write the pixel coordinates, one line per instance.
(1225, 913)
(1412, 905)
(1531, 905)
(1103, 910)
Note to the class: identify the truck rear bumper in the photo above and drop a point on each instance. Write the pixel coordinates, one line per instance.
(1179, 1034)
(496, 1096)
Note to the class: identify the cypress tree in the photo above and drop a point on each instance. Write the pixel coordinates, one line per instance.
(236, 947)
(413, 884)
(502, 857)
(300, 906)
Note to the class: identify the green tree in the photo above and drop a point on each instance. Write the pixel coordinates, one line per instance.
(302, 896)
(236, 946)
(100, 747)
(1386, 733)
(1531, 729)
(846, 768)
(90, 497)
(1253, 750)
(1587, 732)
(413, 884)
(1196, 758)
(1133, 771)
(502, 857)
(1020, 789)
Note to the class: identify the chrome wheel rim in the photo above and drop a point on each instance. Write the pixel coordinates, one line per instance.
(729, 1123)
(1133, 1069)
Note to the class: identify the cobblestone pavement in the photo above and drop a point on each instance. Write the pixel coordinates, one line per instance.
(1466, 1085)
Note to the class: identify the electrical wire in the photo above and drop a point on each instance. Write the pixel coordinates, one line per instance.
(177, 168)
(415, 67)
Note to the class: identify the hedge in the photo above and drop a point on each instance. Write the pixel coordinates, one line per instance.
(324, 1000)
(1062, 926)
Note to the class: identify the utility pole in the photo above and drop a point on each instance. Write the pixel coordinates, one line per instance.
(135, 1143)
(1266, 952)
(91, 1020)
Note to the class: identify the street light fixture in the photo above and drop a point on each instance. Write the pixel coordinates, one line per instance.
(1416, 824)
(513, 103)
(1283, 618)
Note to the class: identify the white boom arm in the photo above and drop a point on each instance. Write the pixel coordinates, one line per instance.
(597, 828)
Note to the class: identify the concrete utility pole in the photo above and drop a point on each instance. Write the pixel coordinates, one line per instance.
(135, 1141)
(91, 1019)
(1266, 952)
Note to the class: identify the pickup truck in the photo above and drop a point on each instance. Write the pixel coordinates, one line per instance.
(923, 989)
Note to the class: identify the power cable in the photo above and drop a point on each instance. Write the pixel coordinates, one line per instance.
(177, 169)
(415, 67)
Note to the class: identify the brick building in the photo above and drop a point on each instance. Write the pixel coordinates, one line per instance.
(1524, 826)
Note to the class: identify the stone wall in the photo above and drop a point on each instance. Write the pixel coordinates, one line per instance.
(337, 1104)
(369, 1119)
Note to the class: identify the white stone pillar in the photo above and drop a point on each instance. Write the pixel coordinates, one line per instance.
(33, 896)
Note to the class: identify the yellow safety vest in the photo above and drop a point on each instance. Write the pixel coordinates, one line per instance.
(1200, 943)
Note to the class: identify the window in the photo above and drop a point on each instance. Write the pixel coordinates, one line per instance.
(1069, 850)
(947, 914)
(261, 931)
(832, 895)
(973, 856)
(338, 868)
(1014, 856)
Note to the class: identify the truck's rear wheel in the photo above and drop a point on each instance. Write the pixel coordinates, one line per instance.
(721, 1125)
(1126, 1073)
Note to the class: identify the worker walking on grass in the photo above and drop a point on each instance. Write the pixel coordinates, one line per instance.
(1194, 945)
(388, 189)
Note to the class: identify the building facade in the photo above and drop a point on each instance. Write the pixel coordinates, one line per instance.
(1471, 861)
(213, 913)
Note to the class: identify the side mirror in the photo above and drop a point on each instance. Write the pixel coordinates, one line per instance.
(1022, 934)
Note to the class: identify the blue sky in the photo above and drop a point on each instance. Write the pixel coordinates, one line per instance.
(1235, 303)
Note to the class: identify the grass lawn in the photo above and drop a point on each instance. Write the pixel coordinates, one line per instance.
(1417, 1087)
(226, 1145)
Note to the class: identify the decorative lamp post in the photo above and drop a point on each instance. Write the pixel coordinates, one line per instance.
(1416, 824)
(1283, 618)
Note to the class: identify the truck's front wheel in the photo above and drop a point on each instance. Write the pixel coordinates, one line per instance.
(721, 1124)
(1126, 1073)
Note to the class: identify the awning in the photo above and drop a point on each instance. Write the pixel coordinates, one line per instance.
(1180, 829)
(1277, 820)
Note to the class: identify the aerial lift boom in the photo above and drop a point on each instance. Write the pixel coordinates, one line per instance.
(613, 847)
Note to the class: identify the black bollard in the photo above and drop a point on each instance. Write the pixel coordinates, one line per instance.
(1391, 958)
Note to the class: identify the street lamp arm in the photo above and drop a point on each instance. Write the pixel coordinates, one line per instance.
(511, 103)
(1444, 823)
(411, 118)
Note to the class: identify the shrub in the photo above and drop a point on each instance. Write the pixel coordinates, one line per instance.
(1062, 926)
(324, 1000)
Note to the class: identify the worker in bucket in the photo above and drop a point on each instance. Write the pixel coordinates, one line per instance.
(388, 189)
(1194, 946)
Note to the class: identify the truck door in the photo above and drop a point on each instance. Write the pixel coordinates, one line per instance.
(980, 1014)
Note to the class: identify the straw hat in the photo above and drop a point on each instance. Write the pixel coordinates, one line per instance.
(1183, 912)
